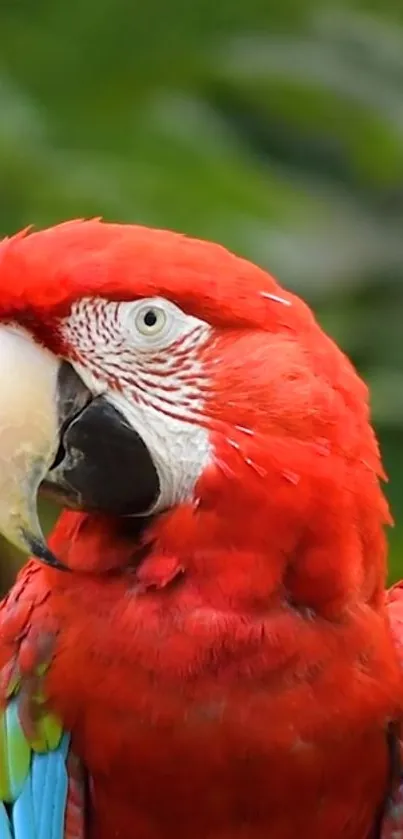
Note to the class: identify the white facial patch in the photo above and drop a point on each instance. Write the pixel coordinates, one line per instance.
(145, 358)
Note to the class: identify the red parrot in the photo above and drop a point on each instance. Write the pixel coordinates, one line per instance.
(205, 646)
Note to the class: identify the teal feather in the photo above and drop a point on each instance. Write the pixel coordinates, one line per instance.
(22, 815)
(5, 826)
(39, 811)
(34, 782)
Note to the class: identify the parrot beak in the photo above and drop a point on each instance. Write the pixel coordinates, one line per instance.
(28, 437)
(58, 438)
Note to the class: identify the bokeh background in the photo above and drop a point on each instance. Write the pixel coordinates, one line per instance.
(275, 128)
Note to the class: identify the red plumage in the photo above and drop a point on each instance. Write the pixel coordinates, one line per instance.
(228, 670)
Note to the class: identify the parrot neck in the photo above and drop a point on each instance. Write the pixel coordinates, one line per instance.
(284, 524)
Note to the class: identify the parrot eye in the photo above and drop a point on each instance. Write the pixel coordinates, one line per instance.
(150, 320)
(152, 323)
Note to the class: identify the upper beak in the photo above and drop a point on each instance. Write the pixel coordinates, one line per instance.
(55, 435)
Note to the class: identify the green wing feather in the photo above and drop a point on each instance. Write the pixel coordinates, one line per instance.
(16, 745)
(34, 773)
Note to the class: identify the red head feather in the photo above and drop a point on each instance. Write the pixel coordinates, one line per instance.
(287, 413)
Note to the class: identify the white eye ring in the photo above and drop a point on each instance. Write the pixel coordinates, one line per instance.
(150, 320)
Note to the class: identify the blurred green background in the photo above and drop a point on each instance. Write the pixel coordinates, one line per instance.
(274, 128)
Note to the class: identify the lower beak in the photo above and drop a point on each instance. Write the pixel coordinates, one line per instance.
(55, 437)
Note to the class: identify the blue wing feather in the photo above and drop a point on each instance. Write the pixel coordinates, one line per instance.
(22, 815)
(49, 789)
(39, 810)
(5, 826)
(40, 799)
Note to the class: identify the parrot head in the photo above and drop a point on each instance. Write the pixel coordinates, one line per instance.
(143, 372)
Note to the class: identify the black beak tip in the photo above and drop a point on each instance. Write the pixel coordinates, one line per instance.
(42, 552)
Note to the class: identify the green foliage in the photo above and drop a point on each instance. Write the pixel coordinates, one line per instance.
(276, 129)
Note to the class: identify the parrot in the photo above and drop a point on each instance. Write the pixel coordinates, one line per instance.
(204, 646)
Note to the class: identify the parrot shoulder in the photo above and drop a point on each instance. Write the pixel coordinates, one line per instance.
(41, 781)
